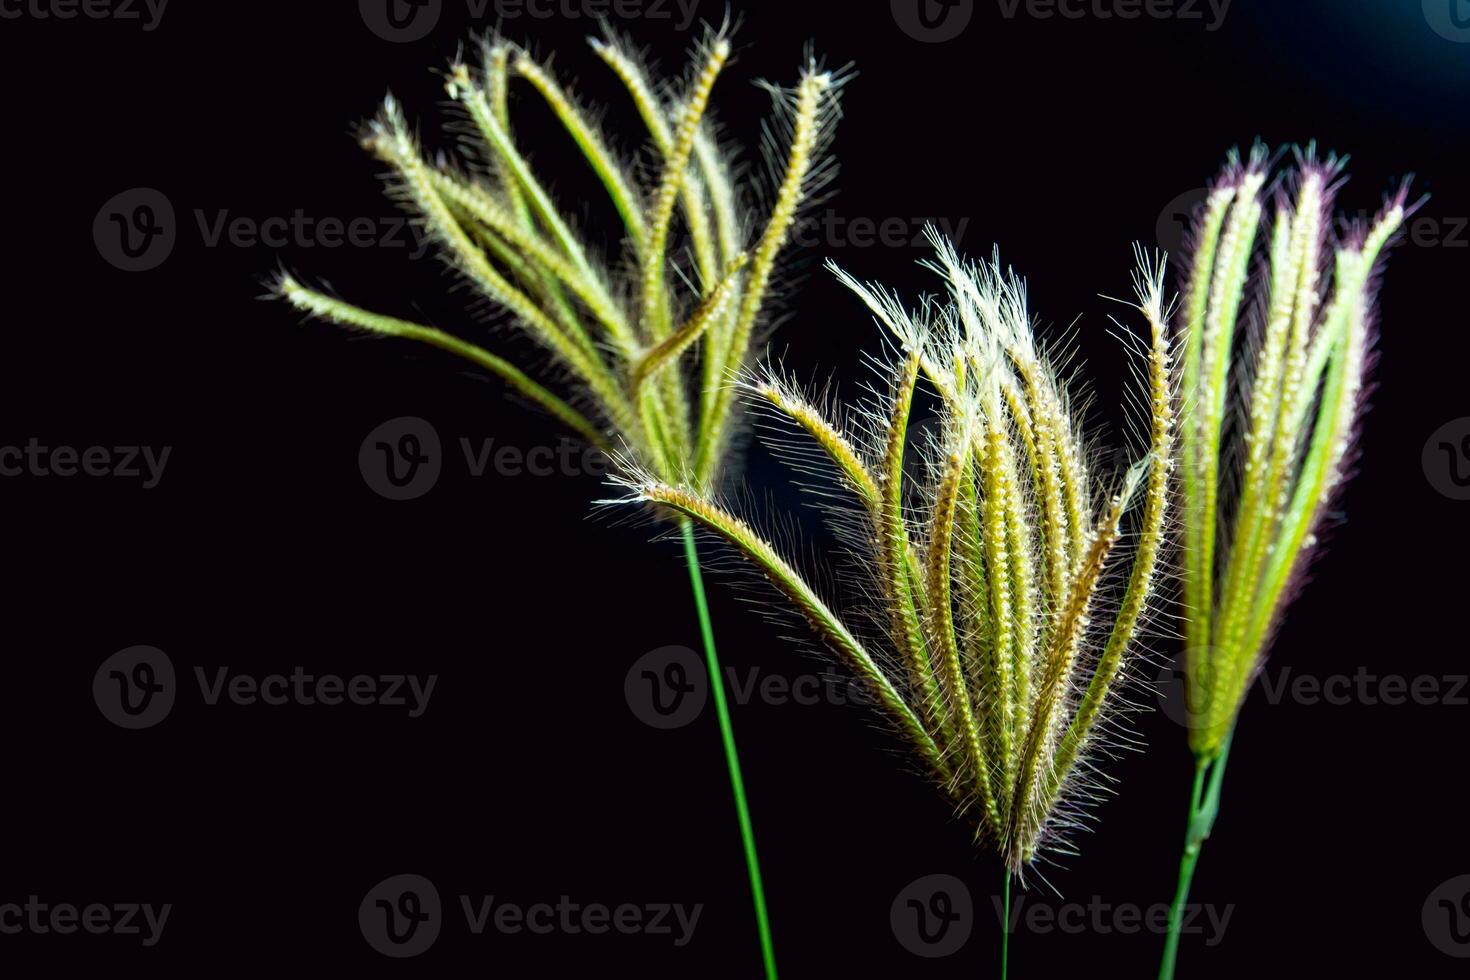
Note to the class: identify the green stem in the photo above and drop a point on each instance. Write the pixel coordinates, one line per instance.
(1204, 806)
(1005, 929)
(732, 758)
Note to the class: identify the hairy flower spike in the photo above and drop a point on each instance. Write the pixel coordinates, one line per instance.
(1000, 650)
(1298, 389)
(1299, 408)
(647, 360)
(632, 353)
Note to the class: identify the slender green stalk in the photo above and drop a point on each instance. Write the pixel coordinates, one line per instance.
(1005, 930)
(732, 758)
(1204, 806)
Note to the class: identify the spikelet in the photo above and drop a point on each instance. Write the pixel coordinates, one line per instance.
(644, 358)
(1303, 371)
(1003, 638)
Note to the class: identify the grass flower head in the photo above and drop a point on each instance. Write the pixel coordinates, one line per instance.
(1006, 602)
(640, 345)
(1274, 359)
(1276, 348)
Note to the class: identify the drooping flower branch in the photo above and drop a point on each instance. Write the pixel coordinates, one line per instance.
(641, 346)
(644, 343)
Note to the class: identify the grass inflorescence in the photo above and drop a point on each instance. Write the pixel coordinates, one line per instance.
(639, 347)
(1273, 375)
(641, 344)
(1006, 596)
(1277, 325)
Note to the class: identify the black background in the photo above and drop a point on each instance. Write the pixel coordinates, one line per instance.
(528, 777)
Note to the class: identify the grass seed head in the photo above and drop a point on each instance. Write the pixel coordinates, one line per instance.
(642, 359)
(1272, 376)
(1001, 635)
